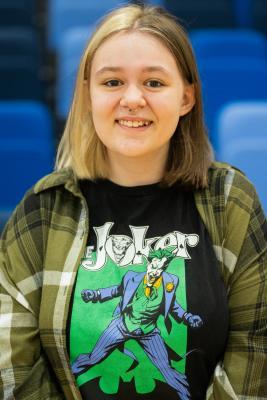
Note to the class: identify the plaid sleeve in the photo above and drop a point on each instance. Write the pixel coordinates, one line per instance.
(25, 372)
(243, 371)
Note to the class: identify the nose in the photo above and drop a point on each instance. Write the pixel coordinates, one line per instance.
(132, 98)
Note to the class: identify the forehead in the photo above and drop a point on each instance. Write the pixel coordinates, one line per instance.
(133, 49)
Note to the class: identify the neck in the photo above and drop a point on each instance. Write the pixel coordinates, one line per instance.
(127, 171)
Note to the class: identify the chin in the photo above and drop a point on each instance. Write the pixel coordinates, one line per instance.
(133, 152)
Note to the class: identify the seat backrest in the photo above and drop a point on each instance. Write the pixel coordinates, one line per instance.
(242, 136)
(230, 79)
(224, 42)
(68, 14)
(69, 55)
(27, 120)
(26, 148)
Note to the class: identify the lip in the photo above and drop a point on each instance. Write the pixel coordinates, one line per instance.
(134, 129)
(128, 118)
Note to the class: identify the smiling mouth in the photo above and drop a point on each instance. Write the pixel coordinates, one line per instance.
(133, 124)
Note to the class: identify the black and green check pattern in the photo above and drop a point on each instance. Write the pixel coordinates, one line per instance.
(41, 247)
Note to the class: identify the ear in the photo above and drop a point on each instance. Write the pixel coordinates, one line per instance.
(188, 100)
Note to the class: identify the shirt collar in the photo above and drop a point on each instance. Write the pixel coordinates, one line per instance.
(64, 177)
(156, 284)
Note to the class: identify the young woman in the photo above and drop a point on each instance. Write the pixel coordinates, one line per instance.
(138, 268)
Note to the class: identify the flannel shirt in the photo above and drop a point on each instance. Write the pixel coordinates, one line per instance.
(41, 248)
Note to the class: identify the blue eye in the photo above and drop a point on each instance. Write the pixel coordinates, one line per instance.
(154, 83)
(112, 83)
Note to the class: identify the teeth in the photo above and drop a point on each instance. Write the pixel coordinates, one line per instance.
(133, 124)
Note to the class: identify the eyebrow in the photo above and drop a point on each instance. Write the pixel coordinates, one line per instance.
(156, 68)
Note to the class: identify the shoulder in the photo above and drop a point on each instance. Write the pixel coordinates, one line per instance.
(172, 277)
(226, 207)
(44, 188)
(223, 173)
(233, 215)
(55, 179)
(130, 275)
(230, 187)
(36, 208)
(51, 185)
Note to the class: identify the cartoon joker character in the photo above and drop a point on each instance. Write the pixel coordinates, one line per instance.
(144, 296)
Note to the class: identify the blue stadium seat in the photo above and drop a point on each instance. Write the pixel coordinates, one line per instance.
(203, 13)
(68, 14)
(26, 148)
(217, 43)
(230, 79)
(242, 134)
(69, 55)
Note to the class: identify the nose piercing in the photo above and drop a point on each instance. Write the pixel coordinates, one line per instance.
(136, 108)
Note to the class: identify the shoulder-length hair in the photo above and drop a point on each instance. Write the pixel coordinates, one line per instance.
(190, 153)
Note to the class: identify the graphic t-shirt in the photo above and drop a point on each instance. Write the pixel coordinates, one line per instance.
(149, 314)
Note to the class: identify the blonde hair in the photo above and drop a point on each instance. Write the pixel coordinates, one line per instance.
(190, 153)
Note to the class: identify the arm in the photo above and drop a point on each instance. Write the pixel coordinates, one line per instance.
(190, 320)
(25, 372)
(101, 295)
(242, 372)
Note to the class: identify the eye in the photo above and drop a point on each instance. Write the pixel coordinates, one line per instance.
(113, 83)
(153, 83)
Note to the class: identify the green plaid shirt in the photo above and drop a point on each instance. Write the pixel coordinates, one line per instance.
(41, 248)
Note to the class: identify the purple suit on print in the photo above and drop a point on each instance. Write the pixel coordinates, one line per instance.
(117, 333)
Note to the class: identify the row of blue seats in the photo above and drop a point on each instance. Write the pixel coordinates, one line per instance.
(232, 64)
(27, 147)
(66, 14)
(20, 65)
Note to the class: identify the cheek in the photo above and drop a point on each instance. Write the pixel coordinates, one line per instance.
(102, 103)
(168, 116)
(98, 107)
(101, 112)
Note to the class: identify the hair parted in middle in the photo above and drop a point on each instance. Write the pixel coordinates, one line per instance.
(190, 153)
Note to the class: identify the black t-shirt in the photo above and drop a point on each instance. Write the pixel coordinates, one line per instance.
(149, 314)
